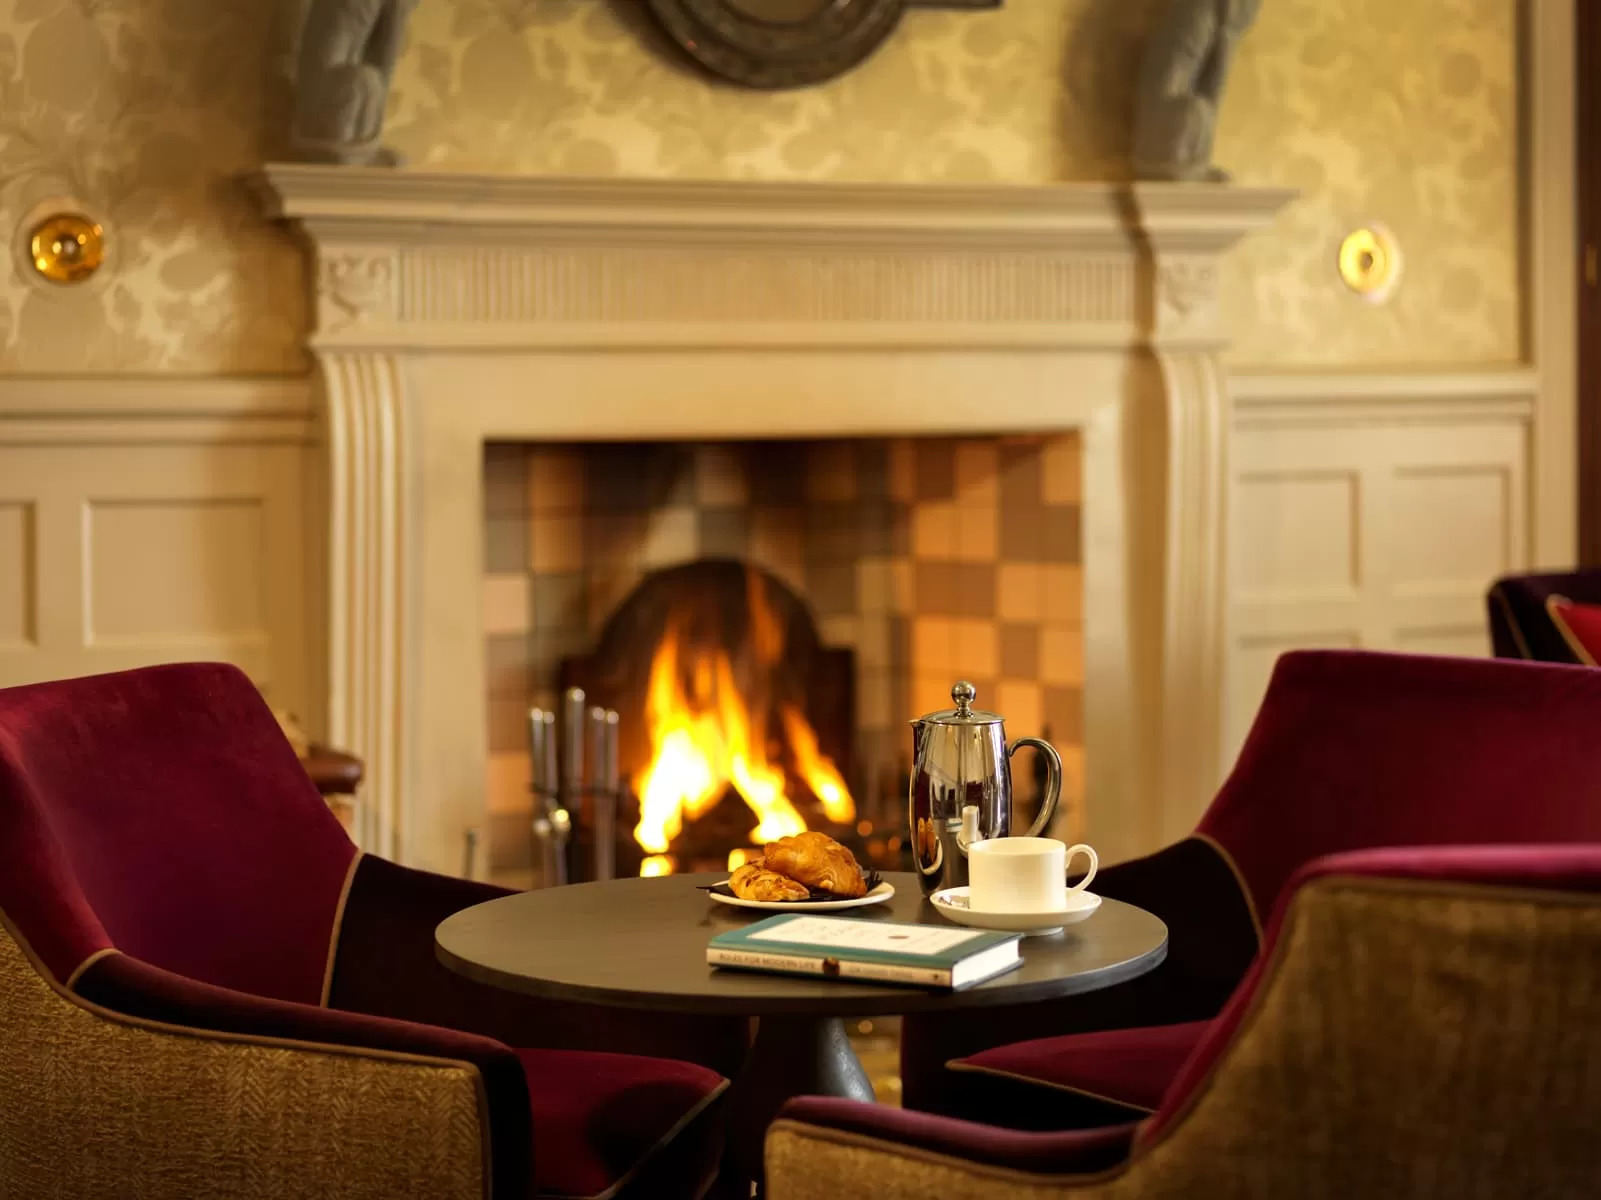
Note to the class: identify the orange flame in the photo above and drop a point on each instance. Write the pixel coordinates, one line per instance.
(705, 735)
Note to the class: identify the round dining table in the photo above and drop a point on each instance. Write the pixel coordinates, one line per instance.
(641, 944)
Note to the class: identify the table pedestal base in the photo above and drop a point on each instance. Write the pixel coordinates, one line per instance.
(792, 1056)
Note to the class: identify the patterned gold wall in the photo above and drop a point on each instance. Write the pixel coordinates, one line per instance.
(1396, 110)
(1400, 111)
(145, 110)
(1038, 90)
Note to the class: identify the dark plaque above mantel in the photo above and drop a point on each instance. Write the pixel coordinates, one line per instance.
(786, 43)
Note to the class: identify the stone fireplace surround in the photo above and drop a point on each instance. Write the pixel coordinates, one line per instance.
(454, 310)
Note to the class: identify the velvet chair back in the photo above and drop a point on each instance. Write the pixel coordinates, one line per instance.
(1352, 750)
(160, 812)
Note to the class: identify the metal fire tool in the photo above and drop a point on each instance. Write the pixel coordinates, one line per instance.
(603, 789)
(570, 795)
(614, 785)
(548, 848)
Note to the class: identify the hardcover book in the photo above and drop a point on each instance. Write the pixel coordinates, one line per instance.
(936, 956)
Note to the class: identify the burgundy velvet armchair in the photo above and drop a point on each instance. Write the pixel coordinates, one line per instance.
(1349, 750)
(1548, 618)
(1420, 1023)
(206, 990)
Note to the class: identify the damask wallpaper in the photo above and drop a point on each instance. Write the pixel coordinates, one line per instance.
(1398, 111)
(1402, 112)
(144, 110)
(1039, 89)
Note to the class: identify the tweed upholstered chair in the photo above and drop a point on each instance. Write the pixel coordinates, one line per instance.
(1549, 618)
(1349, 750)
(1421, 1024)
(205, 990)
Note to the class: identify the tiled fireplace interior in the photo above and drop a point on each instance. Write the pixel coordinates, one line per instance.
(933, 559)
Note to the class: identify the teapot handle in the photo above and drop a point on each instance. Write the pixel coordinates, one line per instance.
(1053, 782)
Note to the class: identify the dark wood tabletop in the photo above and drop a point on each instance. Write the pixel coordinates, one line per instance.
(641, 943)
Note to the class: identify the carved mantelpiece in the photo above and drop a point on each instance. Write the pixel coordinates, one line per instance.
(456, 309)
(355, 288)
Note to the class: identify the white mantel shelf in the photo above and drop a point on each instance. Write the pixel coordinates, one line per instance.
(417, 205)
(454, 309)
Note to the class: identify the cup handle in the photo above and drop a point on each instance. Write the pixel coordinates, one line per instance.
(1095, 865)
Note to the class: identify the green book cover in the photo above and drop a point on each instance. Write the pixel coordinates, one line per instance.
(940, 946)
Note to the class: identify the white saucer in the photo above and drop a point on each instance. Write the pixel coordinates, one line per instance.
(877, 896)
(952, 904)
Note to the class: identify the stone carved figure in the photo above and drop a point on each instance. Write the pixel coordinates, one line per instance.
(1187, 60)
(348, 50)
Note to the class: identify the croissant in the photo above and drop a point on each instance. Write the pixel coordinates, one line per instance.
(819, 862)
(754, 881)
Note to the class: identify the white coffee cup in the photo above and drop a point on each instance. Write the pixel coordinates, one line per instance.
(1023, 875)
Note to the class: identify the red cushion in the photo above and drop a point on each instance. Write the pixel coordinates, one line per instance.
(1521, 621)
(1132, 1067)
(1580, 627)
(609, 1124)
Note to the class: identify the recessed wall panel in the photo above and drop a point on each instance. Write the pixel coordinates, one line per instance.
(173, 569)
(1296, 533)
(1450, 525)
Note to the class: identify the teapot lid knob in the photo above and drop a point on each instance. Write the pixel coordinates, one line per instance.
(964, 694)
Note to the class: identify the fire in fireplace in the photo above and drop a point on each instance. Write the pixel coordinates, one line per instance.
(736, 721)
(890, 567)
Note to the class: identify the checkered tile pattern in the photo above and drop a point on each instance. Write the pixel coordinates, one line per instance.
(936, 559)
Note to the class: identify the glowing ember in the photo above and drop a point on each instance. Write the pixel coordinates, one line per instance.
(705, 734)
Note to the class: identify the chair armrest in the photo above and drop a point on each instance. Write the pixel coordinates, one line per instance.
(384, 957)
(386, 965)
(1212, 938)
(102, 1103)
(820, 1149)
(129, 987)
(333, 771)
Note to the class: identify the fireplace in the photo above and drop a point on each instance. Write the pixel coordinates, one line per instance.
(786, 604)
(455, 311)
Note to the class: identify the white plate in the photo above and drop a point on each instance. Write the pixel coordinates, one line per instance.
(951, 903)
(877, 896)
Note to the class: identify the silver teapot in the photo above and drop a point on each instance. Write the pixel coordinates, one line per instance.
(961, 789)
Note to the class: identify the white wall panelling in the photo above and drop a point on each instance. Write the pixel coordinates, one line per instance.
(148, 520)
(1371, 511)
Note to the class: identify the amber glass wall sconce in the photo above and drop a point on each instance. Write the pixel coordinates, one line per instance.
(66, 247)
